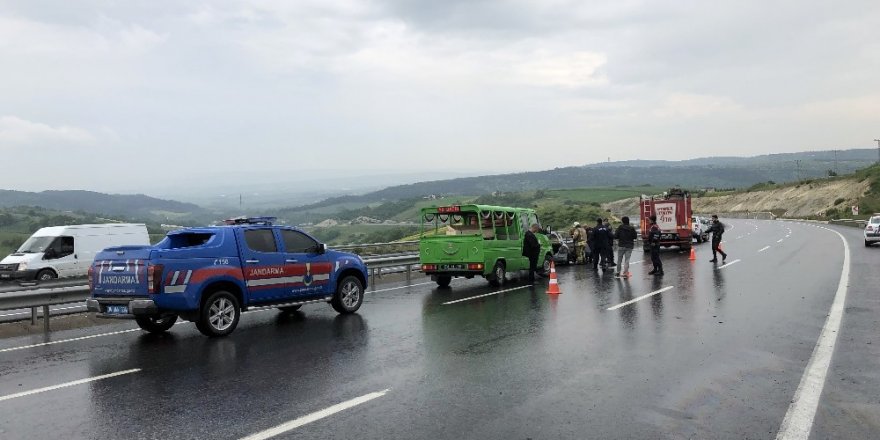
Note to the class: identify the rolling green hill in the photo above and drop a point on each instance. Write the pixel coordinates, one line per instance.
(120, 206)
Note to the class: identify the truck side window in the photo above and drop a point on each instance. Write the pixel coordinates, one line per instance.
(260, 240)
(60, 248)
(533, 220)
(297, 242)
(66, 247)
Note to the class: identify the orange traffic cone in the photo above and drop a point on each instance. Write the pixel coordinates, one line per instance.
(693, 256)
(553, 288)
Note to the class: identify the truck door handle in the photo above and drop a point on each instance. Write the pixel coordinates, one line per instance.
(252, 261)
(291, 261)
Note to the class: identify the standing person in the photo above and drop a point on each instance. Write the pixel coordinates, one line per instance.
(654, 241)
(626, 241)
(531, 250)
(600, 241)
(579, 237)
(717, 230)
(610, 248)
(591, 243)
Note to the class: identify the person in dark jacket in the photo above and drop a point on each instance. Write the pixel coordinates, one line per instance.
(717, 230)
(600, 251)
(654, 235)
(531, 250)
(626, 241)
(610, 249)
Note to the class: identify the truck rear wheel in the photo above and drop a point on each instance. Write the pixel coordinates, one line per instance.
(444, 280)
(219, 315)
(349, 295)
(156, 324)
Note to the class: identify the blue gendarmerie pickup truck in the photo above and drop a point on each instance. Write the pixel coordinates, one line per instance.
(210, 275)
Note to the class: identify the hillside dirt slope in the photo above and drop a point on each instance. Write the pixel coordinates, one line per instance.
(791, 201)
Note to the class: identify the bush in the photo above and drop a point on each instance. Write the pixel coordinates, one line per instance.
(839, 201)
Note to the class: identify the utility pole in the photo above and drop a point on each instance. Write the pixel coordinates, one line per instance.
(836, 168)
(878, 149)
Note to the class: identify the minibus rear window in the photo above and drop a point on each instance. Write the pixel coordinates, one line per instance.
(186, 240)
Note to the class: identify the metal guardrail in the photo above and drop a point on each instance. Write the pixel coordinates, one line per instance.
(849, 222)
(378, 248)
(61, 292)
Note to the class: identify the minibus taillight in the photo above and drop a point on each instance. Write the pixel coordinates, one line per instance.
(427, 267)
(154, 279)
(91, 278)
(475, 266)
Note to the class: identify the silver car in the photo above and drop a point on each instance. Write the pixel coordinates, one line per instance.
(872, 230)
(701, 228)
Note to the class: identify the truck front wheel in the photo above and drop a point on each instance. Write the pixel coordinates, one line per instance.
(349, 295)
(45, 275)
(156, 324)
(219, 315)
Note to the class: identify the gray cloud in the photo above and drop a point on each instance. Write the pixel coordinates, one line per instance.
(275, 88)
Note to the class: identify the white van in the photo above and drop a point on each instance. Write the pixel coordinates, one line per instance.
(68, 251)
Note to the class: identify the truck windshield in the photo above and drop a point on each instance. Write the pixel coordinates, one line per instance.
(463, 223)
(35, 245)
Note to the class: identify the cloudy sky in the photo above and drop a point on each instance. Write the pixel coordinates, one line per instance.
(115, 95)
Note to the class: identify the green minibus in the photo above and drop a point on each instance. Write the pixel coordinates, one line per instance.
(470, 240)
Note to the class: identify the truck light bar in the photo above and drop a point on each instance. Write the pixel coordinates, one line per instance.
(251, 221)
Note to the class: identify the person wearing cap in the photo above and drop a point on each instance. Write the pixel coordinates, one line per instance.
(601, 241)
(579, 237)
(717, 230)
(654, 235)
(610, 248)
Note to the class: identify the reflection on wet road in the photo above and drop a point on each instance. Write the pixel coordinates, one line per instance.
(709, 350)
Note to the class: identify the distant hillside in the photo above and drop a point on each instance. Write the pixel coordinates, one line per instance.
(822, 199)
(118, 206)
(715, 172)
(813, 163)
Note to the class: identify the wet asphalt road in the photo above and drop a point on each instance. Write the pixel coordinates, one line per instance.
(718, 355)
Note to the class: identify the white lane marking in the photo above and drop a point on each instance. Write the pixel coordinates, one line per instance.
(399, 287)
(764, 249)
(798, 421)
(483, 296)
(729, 264)
(315, 416)
(42, 344)
(68, 384)
(640, 298)
(780, 240)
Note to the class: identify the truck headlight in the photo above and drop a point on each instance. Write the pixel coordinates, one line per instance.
(22, 266)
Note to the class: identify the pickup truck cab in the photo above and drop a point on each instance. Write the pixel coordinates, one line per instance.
(210, 275)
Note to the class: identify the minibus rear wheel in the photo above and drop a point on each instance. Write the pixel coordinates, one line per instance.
(444, 280)
(496, 279)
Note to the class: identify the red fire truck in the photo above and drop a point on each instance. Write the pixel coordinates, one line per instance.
(673, 211)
